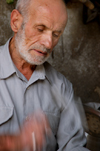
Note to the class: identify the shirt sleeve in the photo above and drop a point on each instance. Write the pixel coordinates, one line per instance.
(70, 134)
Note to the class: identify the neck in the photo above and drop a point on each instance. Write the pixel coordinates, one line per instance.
(25, 68)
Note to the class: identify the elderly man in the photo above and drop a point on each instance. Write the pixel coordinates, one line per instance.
(37, 109)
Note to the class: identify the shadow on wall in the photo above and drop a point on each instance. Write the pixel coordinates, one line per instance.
(77, 54)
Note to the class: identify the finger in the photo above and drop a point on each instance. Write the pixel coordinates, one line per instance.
(43, 121)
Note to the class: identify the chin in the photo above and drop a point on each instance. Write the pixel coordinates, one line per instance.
(35, 62)
(38, 62)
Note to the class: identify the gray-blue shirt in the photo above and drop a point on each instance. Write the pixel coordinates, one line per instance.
(47, 90)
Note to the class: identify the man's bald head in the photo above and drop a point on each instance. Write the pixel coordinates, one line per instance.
(23, 6)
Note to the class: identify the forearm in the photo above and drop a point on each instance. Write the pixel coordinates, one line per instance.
(10, 143)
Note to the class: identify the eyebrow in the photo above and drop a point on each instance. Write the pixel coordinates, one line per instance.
(59, 31)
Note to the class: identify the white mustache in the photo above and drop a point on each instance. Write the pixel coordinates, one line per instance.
(40, 47)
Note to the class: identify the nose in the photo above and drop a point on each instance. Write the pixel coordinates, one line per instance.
(46, 40)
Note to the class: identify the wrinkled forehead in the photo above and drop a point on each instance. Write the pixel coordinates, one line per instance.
(54, 9)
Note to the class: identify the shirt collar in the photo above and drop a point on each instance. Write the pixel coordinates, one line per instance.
(6, 64)
(38, 74)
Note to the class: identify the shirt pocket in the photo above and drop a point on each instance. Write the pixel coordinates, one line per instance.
(5, 114)
(53, 121)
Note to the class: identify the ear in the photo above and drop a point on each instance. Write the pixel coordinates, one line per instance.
(16, 20)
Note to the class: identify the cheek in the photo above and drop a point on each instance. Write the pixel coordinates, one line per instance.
(30, 32)
(32, 37)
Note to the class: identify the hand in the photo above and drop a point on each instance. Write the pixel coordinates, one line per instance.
(36, 123)
(9, 142)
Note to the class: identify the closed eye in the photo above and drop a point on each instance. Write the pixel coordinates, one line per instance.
(56, 35)
(40, 30)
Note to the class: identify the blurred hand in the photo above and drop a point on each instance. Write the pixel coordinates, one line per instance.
(37, 124)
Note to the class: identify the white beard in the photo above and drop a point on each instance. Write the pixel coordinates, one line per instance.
(25, 52)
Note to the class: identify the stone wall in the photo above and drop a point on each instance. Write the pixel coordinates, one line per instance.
(77, 54)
